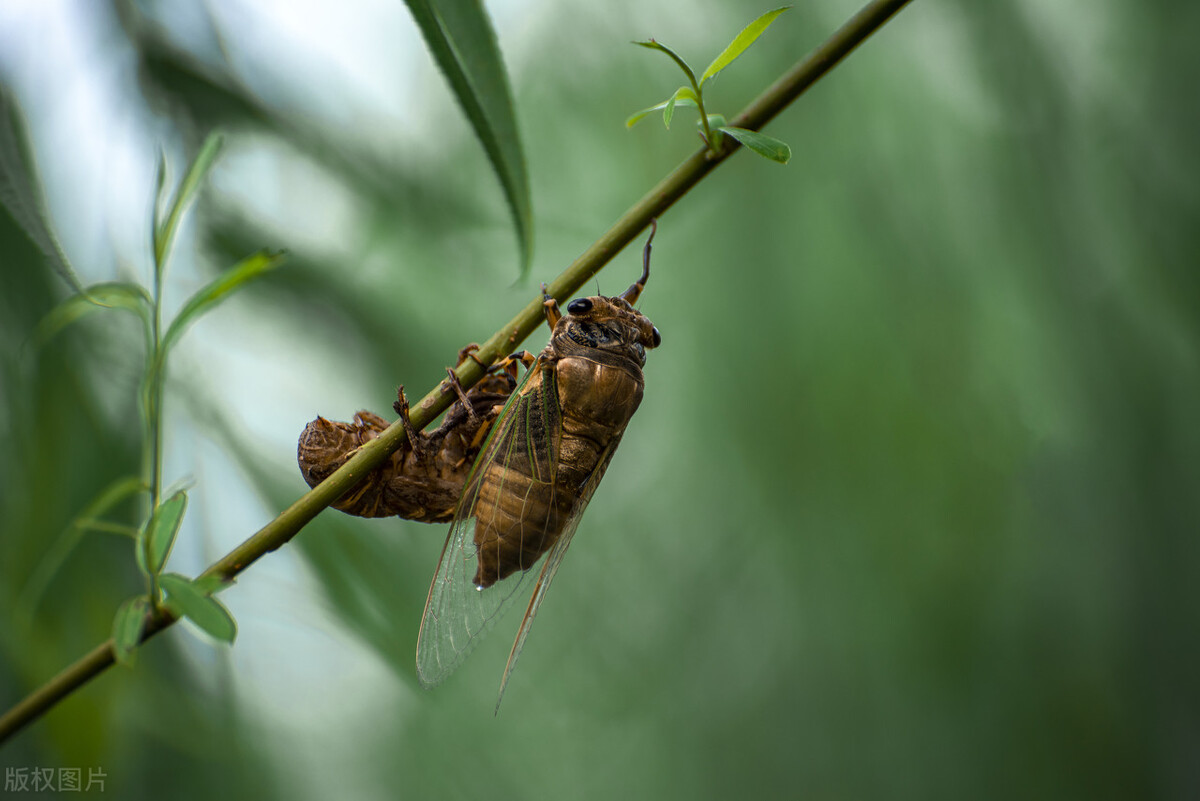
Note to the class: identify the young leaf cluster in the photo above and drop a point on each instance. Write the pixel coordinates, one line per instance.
(713, 128)
(155, 538)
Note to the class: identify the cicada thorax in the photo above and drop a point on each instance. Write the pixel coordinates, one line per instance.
(423, 483)
(573, 408)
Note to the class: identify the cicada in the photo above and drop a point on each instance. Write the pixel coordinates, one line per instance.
(423, 479)
(538, 469)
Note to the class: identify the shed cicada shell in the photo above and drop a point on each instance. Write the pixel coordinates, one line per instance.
(423, 479)
(541, 463)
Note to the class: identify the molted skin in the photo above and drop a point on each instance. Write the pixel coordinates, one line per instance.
(424, 486)
(574, 407)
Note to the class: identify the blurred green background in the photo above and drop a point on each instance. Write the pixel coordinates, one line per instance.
(910, 509)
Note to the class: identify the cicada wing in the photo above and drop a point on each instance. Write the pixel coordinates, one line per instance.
(457, 614)
(552, 561)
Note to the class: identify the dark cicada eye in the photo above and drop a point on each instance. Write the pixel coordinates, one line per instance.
(657, 338)
(580, 306)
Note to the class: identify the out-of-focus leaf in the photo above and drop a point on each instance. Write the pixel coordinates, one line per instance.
(463, 43)
(114, 295)
(716, 125)
(683, 65)
(741, 42)
(638, 117)
(20, 192)
(160, 183)
(163, 528)
(210, 585)
(218, 289)
(128, 625)
(188, 599)
(35, 588)
(183, 196)
(765, 146)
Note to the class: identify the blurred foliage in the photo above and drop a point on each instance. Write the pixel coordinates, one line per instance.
(908, 511)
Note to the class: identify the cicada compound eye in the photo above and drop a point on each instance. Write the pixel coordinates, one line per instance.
(580, 306)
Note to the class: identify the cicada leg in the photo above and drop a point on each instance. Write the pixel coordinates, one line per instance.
(462, 396)
(469, 353)
(509, 363)
(417, 440)
(553, 313)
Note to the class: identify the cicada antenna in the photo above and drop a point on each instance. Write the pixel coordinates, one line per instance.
(634, 292)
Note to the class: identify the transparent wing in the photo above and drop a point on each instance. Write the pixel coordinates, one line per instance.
(550, 564)
(457, 614)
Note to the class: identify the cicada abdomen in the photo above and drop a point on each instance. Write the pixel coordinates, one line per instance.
(538, 469)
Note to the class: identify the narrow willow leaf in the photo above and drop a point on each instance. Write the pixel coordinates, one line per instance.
(163, 528)
(741, 42)
(115, 295)
(683, 65)
(460, 37)
(39, 580)
(217, 290)
(185, 598)
(128, 625)
(139, 551)
(20, 190)
(160, 183)
(107, 527)
(646, 112)
(183, 197)
(763, 145)
(683, 96)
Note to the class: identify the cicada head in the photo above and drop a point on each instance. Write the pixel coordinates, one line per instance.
(611, 324)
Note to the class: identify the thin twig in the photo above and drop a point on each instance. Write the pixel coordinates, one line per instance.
(280, 530)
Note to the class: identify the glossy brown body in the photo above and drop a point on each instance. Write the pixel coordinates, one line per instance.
(571, 412)
(424, 484)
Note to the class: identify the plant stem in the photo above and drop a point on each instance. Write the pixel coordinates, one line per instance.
(154, 400)
(280, 530)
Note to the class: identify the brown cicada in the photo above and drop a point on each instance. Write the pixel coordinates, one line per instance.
(423, 479)
(538, 469)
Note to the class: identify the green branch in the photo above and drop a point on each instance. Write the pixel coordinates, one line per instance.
(653, 204)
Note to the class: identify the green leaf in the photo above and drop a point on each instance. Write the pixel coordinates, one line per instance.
(186, 598)
(683, 96)
(139, 551)
(115, 295)
(662, 48)
(210, 585)
(679, 101)
(218, 289)
(128, 625)
(763, 145)
(41, 576)
(715, 124)
(160, 183)
(460, 36)
(741, 42)
(203, 162)
(163, 528)
(20, 191)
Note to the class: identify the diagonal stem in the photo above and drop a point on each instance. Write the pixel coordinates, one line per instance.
(670, 189)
